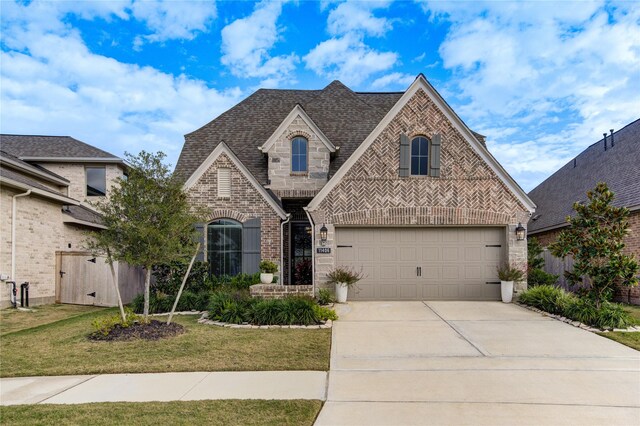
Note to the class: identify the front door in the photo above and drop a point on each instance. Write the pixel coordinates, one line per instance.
(301, 262)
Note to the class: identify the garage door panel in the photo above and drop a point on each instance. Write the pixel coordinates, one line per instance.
(455, 262)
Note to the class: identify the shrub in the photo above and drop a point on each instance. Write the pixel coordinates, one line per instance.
(161, 303)
(536, 277)
(607, 316)
(104, 325)
(508, 272)
(325, 314)
(168, 278)
(238, 282)
(548, 298)
(266, 312)
(268, 267)
(227, 303)
(325, 296)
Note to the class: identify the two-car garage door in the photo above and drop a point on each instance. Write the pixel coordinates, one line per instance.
(423, 263)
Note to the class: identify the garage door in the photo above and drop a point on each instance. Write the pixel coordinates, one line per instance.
(422, 263)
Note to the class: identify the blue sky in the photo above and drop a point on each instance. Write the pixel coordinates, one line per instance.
(543, 80)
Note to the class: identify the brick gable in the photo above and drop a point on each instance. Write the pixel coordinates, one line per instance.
(467, 193)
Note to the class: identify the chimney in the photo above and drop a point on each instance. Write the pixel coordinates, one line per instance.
(605, 141)
(611, 137)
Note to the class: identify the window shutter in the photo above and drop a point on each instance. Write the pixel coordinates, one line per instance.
(434, 169)
(251, 246)
(405, 156)
(200, 228)
(224, 183)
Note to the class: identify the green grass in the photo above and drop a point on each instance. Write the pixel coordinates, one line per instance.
(211, 413)
(634, 311)
(12, 320)
(631, 339)
(62, 348)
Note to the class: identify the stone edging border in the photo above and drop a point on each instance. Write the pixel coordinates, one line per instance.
(203, 320)
(578, 324)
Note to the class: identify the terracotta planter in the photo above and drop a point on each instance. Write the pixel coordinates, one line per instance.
(341, 292)
(266, 278)
(506, 288)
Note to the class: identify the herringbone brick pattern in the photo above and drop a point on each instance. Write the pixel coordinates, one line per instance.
(468, 191)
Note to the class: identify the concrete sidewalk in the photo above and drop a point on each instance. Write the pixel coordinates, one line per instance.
(164, 387)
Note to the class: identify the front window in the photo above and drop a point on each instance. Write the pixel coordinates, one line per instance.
(299, 155)
(419, 156)
(224, 247)
(96, 181)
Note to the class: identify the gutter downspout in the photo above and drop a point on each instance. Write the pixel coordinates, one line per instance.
(13, 231)
(282, 246)
(313, 250)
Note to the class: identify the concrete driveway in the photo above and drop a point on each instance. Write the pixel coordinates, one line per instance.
(475, 363)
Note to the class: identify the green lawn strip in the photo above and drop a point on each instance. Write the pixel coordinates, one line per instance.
(13, 320)
(219, 412)
(62, 348)
(631, 339)
(634, 311)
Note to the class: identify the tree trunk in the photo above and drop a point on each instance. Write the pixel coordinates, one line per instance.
(147, 286)
(184, 281)
(115, 284)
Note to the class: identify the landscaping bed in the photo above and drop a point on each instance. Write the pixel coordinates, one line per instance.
(153, 330)
(212, 413)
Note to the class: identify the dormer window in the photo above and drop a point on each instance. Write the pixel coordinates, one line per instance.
(299, 150)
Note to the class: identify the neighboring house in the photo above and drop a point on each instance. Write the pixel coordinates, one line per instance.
(402, 187)
(46, 183)
(615, 160)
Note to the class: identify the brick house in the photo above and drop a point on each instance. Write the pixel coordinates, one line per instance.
(394, 184)
(46, 184)
(615, 160)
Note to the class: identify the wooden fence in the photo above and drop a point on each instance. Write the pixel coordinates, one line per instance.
(556, 266)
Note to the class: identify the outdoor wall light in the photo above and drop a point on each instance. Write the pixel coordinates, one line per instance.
(520, 232)
(323, 235)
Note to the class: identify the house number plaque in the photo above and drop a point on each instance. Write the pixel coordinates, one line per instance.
(323, 250)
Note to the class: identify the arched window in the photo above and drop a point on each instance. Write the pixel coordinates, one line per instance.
(224, 247)
(420, 156)
(299, 148)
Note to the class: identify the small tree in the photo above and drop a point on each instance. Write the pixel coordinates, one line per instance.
(536, 275)
(147, 217)
(595, 238)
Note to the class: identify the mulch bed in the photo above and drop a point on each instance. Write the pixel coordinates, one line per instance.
(154, 330)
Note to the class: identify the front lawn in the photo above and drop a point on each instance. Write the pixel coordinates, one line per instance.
(634, 311)
(631, 339)
(12, 320)
(62, 348)
(223, 412)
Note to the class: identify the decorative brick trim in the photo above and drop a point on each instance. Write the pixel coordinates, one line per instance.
(275, 291)
(296, 133)
(422, 216)
(296, 193)
(226, 213)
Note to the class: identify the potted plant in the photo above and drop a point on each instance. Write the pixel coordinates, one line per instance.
(344, 279)
(267, 269)
(508, 274)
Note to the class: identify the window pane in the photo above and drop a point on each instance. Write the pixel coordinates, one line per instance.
(423, 165)
(415, 147)
(96, 181)
(295, 163)
(295, 146)
(423, 146)
(415, 166)
(303, 163)
(224, 247)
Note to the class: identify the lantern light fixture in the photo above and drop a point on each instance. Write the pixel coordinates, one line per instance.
(520, 232)
(323, 235)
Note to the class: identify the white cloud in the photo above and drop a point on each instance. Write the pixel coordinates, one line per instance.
(561, 74)
(246, 44)
(357, 17)
(394, 80)
(348, 59)
(53, 84)
(174, 19)
(346, 56)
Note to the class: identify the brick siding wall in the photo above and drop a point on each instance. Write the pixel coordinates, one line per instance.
(75, 173)
(245, 203)
(271, 291)
(467, 192)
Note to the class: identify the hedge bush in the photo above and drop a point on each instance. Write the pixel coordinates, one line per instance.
(557, 301)
(160, 302)
(239, 307)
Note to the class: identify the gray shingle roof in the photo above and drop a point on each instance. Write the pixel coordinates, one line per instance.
(345, 117)
(32, 167)
(8, 173)
(618, 166)
(29, 146)
(83, 213)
